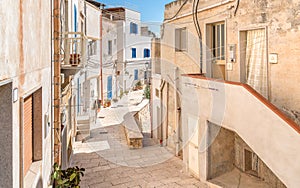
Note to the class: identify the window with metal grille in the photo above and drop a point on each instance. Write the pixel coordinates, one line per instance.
(218, 41)
(180, 39)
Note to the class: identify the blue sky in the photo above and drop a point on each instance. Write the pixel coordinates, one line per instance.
(151, 10)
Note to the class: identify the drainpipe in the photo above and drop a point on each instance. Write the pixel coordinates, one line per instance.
(177, 111)
(57, 82)
(101, 63)
(51, 111)
(161, 112)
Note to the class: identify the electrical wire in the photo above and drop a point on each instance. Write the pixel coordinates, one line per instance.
(166, 19)
(236, 7)
(198, 29)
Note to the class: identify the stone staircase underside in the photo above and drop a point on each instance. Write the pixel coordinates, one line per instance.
(237, 107)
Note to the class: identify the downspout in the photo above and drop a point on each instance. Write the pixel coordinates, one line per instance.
(177, 113)
(51, 111)
(100, 57)
(161, 111)
(57, 82)
(167, 113)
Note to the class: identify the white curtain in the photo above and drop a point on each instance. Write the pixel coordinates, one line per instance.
(256, 61)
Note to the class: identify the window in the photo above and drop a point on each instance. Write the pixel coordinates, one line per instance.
(146, 53)
(218, 41)
(133, 52)
(92, 48)
(136, 74)
(180, 39)
(133, 28)
(109, 47)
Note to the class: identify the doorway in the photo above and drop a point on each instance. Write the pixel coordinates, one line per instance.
(254, 66)
(216, 52)
(6, 135)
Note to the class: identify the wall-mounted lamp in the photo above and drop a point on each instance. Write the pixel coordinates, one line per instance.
(15, 94)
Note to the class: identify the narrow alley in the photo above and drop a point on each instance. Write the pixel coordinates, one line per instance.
(110, 163)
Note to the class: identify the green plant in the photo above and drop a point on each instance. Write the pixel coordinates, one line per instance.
(68, 178)
(138, 84)
(147, 92)
(121, 93)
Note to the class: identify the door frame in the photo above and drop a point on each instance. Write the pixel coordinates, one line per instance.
(242, 35)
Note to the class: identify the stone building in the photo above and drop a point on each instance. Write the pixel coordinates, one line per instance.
(25, 93)
(228, 72)
(133, 46)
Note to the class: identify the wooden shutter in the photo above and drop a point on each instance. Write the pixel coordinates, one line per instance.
(27, 134)
(177, 39)
(183, 39)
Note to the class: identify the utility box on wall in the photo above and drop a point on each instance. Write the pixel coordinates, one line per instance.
(232, 53)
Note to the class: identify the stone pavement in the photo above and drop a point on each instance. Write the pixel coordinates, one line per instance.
(114, 165)
(110, 163)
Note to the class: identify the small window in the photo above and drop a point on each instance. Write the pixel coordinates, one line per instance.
(133, 52)
(136, 74)
(146, 53)
(109, 47)
(180, 39)
(133, 28)
(92, 48)
(218, 41)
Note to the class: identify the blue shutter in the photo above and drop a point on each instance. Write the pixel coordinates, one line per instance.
(146, 53)
(133, 55)
(135, 29)
(109, 87)
(136, 74)
(75, 18)
(131, 27)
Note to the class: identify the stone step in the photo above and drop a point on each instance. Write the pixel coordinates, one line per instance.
(83, 126)
(82, 137)
(83, 121)
(83, 131)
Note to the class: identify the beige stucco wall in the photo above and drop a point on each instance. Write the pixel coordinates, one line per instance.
(234, 108)
(278, 18)
(25, 59)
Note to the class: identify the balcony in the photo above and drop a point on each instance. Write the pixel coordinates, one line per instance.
(73, 53)
(74, 50)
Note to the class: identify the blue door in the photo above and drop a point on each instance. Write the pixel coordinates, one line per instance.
(133, 52)
(109, 87)
(136, 74)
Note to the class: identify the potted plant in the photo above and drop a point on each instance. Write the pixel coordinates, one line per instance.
(68, 178)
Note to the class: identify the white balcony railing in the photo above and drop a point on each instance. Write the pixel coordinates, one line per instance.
(74, 52)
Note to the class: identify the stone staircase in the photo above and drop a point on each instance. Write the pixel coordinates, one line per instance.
(83, 128)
